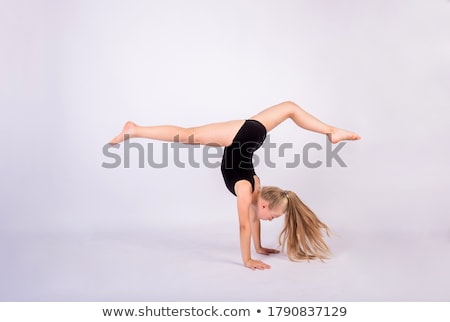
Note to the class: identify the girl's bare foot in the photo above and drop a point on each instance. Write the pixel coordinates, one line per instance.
(338, 135)
(127, 130)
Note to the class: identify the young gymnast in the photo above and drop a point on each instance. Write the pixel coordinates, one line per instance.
(302, 235)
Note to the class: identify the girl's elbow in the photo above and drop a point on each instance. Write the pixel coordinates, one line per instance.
(244, 228)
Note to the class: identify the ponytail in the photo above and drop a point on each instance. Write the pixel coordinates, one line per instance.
(302, 233)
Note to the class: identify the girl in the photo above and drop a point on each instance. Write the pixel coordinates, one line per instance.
(302, 233)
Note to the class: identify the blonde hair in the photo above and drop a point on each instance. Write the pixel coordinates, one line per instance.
(302, 234)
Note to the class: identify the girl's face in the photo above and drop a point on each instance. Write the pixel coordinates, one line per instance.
(264, 213)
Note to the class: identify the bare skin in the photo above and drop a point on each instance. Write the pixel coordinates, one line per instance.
(222, 133)
(251, 208)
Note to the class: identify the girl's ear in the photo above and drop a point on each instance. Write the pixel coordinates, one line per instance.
(264, 204)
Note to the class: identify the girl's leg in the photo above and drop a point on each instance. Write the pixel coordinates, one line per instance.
(217, 134)
(273, 116)
(222, 134)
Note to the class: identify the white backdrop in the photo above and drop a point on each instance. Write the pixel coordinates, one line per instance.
(73, 72)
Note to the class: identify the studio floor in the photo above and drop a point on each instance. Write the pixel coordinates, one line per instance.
(198, 266)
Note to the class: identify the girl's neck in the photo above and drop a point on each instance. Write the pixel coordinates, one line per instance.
(255, 196)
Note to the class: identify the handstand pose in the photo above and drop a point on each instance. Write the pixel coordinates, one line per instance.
(302, 233)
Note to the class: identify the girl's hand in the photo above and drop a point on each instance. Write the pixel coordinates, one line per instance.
(254, 264)
(267, 251)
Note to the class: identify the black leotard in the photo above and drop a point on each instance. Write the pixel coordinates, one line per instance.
(237, 161)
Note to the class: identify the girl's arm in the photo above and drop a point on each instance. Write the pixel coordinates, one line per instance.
(243, 191)
(256, 234)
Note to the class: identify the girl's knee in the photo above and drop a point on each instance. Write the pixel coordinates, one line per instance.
(189, 135)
